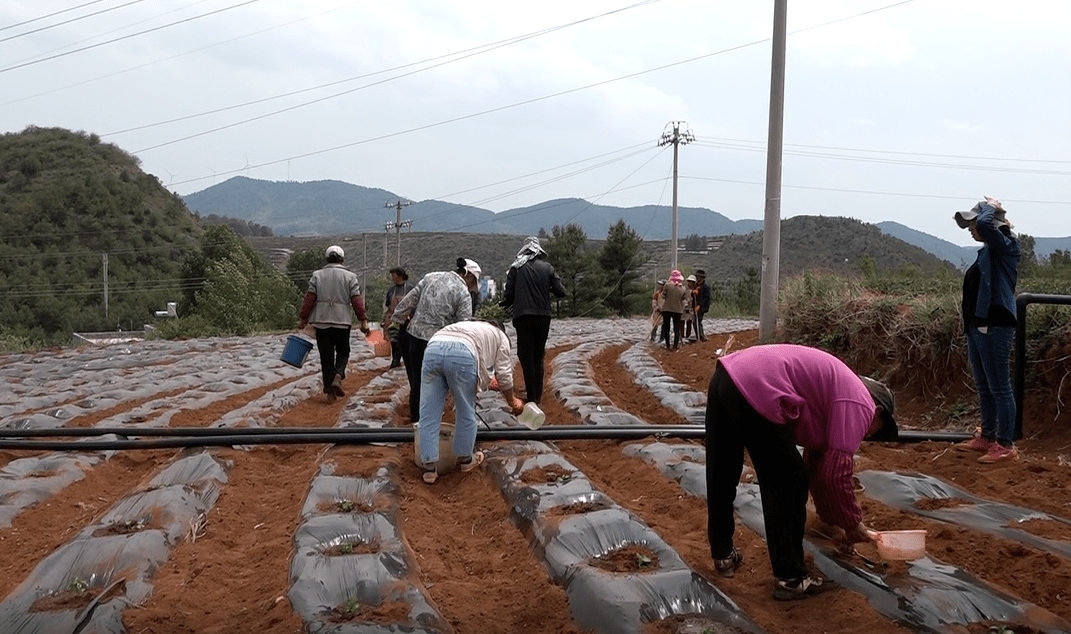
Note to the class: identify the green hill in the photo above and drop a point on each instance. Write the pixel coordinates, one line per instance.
(90, 242)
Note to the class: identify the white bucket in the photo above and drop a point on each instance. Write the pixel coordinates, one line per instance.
(532, 417)
(900, 545)
(447, 460)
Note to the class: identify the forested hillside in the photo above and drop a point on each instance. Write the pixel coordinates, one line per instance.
(90, 242)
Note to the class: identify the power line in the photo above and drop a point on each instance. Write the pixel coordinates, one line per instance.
(49, 15)
(82, 17)
(125, 37)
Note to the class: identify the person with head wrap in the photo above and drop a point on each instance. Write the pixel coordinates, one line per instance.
(674, 301)
(395, 329)
(439, 299)
(989, 319)
(768, 400)
(333, 292)
(530, 283)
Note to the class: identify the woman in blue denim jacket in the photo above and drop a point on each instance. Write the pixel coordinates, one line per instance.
(988, 307)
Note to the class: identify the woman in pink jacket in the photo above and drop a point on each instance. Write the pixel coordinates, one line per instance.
(769, 399)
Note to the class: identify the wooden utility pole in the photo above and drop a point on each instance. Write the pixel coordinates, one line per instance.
(771, 225)
(676, 138)
(397, 226)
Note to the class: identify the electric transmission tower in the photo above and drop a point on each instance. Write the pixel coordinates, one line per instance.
(676, 137)
(397, 225)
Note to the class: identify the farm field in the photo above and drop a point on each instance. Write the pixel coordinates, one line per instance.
(560, 536)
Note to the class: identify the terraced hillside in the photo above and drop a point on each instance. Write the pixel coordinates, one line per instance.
(274, 510)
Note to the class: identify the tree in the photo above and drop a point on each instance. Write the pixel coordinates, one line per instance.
(301, 264)
(577, 268)
(621, 259)
(234, 289)
(747, 292)
(1028, 260)
(695, 242)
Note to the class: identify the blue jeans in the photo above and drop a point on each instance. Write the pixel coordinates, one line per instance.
(989, 353)
(447, 365)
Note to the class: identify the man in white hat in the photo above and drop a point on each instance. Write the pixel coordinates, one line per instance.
(333, 292)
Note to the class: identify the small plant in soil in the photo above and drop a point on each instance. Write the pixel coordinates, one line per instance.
(74, 596)
(124, 527)
(351, 548)
(346, 611)
(346, 506)
(78, 585)
(627, 559)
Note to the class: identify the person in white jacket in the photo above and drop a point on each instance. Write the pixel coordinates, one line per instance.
(465, 358)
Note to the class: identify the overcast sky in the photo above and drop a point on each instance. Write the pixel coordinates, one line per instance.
(904, 111)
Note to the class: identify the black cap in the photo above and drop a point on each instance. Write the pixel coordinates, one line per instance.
(883, 398)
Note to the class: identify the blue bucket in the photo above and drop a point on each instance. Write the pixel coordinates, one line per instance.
(296, 350)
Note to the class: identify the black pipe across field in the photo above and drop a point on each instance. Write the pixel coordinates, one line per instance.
(182, 437)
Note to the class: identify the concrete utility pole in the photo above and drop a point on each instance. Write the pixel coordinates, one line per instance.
(397, 226)
(105, 284)
(771, 226)
(676, 137)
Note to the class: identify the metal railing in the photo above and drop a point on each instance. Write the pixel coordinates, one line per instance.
(1022, 300)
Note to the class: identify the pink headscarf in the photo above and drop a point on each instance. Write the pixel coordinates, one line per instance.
(676, 278)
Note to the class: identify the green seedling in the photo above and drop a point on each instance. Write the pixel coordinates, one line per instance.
(345, 548)
(708, 630)
(563, 478)
(957, 410)
(642, 560)
(78, 585)
(346, 506)
(1001, 629)
(353, 605)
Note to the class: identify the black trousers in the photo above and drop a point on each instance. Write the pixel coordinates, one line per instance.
(413, 355)
(334, 347)
(532, 334)
(733, 425)
(675, 319)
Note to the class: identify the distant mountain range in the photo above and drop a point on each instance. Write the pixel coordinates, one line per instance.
(331, 207)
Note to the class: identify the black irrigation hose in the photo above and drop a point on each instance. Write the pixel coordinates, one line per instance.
(359, 436)
(261, 431)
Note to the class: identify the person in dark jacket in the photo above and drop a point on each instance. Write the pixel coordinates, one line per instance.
(333, 292)
(702, 305)
(988, 307)
(396, 329)
(530, 282)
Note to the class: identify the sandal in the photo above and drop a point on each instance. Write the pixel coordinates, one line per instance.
(471, 462)
(430, 475)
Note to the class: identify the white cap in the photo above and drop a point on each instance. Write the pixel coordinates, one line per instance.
(337, 250)
(472, 267)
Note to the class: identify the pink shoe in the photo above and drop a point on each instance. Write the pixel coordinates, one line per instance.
(999, 453)
(976, 444)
